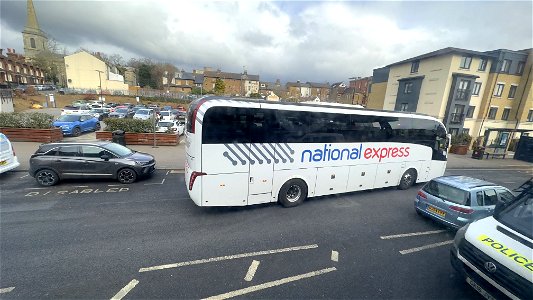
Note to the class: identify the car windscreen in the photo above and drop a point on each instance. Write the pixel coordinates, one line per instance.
(165, 124)
(143, 112)
(122, 110)
(446, 192)
(165, 113)
(99, 111)
(519, 215)
(118, 149)
(68, 118)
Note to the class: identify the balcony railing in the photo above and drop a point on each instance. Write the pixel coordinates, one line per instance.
(463, 94)
(456, 118)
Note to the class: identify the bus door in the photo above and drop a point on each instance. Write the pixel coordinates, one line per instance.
(262, 154)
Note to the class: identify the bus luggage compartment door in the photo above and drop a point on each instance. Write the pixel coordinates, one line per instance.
(261, 173)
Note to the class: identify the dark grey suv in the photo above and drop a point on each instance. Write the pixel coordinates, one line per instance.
(55, 161)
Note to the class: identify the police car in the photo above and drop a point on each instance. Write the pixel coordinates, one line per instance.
(495, 254)
(8, 160)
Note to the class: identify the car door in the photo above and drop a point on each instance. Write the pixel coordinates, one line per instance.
(68, 162)
(490, 198)
(94, 164)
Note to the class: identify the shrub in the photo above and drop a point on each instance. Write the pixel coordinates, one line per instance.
(35, 120)
(90, 97)
(461, 139)
(129, 125)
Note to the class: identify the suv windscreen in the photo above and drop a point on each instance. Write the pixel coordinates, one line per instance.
(69, 118)
(118, 149)
(519, 215)
(446, 192)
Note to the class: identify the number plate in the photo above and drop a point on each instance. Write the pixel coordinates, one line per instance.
(3, 162)
(479, 289)
(436, 211)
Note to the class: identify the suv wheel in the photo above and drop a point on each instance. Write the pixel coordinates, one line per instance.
(126, 176)
(46, 177)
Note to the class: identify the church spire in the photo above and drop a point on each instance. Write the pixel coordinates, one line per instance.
(32, 17)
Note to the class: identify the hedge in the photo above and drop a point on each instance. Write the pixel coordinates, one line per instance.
(35, 120)
(129, 125)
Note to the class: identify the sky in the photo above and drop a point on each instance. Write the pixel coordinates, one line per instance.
(316, 41)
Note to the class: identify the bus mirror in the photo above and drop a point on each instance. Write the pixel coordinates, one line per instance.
(448, 140)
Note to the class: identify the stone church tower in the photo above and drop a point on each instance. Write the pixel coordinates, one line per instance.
(35, 40)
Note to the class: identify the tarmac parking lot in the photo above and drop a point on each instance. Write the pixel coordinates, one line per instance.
(100, 239)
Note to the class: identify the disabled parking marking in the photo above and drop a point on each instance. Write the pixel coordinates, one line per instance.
(125, 290)
(334, 256)
(77, 191)
(412, 250)
(7, 290)
(387, 237)
(251, 270)
(228, 257)
(270, 284)
(24, 176)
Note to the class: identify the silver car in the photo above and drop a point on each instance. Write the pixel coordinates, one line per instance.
(458, 200)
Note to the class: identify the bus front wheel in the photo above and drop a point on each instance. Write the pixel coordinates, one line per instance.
(292, 193)
(407, 180)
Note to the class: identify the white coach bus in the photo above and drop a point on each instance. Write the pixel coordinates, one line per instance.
(245, 152)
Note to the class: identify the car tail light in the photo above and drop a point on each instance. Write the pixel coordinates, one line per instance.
(193, 178)
(193, 120)
(422, 195)
(462, 209)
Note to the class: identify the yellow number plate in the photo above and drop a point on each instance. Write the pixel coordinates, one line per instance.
(436, 211)
(3, 162)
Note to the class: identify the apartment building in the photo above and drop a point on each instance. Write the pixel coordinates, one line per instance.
(15, 70)
(470, 91)
(236, 84)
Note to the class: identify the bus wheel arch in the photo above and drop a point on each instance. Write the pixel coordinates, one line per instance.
(293, 192)
(408, 178)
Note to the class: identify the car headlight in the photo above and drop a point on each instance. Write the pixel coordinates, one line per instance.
(65, 126)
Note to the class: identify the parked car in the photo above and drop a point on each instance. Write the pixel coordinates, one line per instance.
(100, 113)
(166, 115)
(166, 107)
(76, 124)
(79, 102)
(494, 255)
(8, 159)
(143, 114)
(458, 200)
(121, 112)
(75, 110)
(175, 126)
(56, 161)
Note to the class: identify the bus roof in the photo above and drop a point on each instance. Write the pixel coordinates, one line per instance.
(322, 105)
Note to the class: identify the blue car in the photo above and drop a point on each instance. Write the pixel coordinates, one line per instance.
(76, 124)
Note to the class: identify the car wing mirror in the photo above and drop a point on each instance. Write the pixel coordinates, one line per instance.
(500, 205)
(105, 157)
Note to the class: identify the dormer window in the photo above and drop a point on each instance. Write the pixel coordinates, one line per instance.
(414, 66)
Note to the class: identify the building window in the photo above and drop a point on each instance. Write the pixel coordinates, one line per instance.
(465, 62)
(408, 88)
(512, 91)
(520, 68)
(482, 64)
(498, 91)
(530, 116)
(404, 106)
(470, 111)
(505, 114)
(454, 131)
(506, 65)
(476, 89)
(32, 43)
(466, 130)
(492, 113)
(463, 91)
(414, 66)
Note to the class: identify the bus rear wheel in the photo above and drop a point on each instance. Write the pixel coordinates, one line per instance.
(407, 180)
(292, 193)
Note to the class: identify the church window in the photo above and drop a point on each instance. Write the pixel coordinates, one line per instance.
(32, 42)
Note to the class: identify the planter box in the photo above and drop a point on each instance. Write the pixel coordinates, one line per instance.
(33, 135)
(162, 139)
(459, 149)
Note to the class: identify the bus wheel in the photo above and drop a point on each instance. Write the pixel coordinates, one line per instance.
(292, 193)
(407, 180)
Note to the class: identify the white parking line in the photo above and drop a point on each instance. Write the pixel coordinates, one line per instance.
(114, 185)
(334, 256)
(125, 290)
(6, 290)
(407, 251)
(228, 257)
(388, 237)
(168, 172)
(24, 176)
(509, 182)
(270, 284)
(162, 181)
(177, 171)
(251, 270)
(43, 188)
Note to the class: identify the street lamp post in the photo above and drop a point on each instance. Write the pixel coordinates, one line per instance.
(100, 78)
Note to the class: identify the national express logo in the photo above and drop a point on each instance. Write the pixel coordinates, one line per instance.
(283, 153)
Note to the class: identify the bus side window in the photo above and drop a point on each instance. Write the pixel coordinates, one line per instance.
(225, 125)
